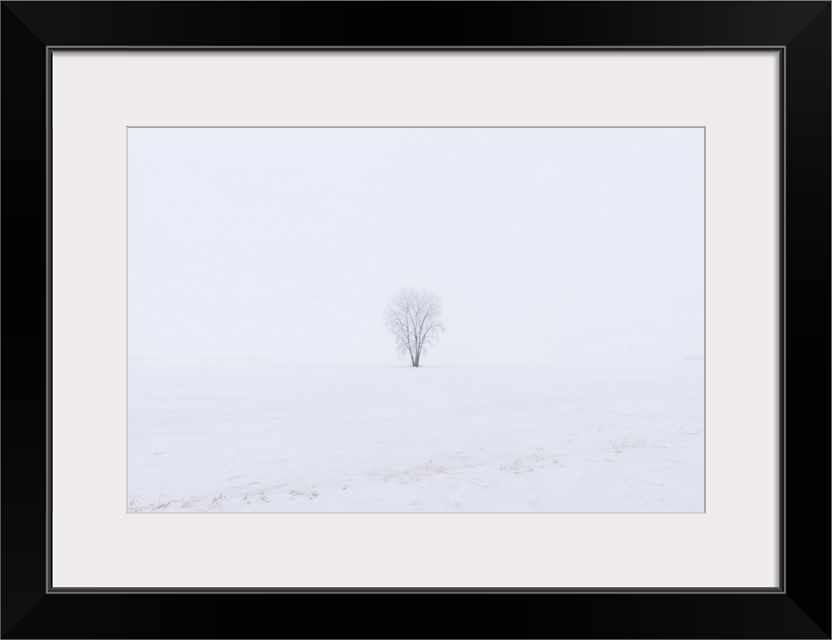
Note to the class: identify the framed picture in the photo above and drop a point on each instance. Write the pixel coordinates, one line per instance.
(612, 315)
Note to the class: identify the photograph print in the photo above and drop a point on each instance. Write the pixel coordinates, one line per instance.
(416, 319)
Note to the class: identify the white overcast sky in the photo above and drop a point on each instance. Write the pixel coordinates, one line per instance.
(546, 244)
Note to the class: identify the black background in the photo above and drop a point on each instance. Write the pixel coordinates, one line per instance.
(799, 609)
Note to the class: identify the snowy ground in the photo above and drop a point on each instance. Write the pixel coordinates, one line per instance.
(244, 436)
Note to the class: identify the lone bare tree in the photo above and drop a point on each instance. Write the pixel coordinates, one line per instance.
(413, 318)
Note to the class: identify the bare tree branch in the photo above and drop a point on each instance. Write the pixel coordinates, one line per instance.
(413, 318)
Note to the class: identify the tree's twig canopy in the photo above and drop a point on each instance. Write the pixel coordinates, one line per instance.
(413, 317)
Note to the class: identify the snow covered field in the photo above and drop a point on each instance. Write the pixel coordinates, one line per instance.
(256, 436)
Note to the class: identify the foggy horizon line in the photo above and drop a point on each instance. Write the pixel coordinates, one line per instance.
(588, 359)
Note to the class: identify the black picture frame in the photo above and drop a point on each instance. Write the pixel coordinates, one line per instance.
(798, 608)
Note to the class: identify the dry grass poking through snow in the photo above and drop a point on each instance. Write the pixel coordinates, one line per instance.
(537, 460)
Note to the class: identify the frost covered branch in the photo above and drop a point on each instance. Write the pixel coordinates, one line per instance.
(413, 318)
